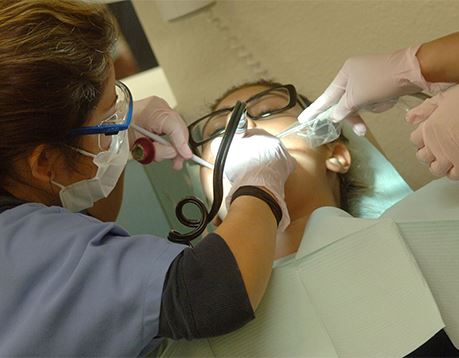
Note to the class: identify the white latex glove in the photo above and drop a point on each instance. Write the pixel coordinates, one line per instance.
(437, 136)
(155, 115)
(372, 82)
(260, 159)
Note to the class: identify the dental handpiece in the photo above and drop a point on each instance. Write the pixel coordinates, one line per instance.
(161, 140)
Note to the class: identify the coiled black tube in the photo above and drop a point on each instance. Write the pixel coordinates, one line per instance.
(219, 166)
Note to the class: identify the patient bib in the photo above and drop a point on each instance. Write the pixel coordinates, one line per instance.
(358, 294)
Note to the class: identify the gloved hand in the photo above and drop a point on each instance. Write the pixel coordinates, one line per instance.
(154, 114)
(437, 136)
(373, 82)
(260, 159)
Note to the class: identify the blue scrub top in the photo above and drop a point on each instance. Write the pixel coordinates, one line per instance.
(71, 285)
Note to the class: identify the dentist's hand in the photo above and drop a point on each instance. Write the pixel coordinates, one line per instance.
(155, 115)
(373, 82)
(437, 136)
(260, 159)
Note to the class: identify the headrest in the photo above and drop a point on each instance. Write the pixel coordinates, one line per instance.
(383, 185)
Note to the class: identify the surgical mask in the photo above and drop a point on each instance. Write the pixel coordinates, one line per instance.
(110, 164)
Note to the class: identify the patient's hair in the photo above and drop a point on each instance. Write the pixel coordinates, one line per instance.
(350, 188)
(54, 61)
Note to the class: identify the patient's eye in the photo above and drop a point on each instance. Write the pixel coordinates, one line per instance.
(215, 126)
(216, 131)
(272, 101)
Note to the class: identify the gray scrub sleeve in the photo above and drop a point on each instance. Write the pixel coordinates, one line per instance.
(71, 285)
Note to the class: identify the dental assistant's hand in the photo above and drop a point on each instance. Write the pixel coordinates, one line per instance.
(260, 159)
(155, 115)
(373, 82)
(437, 136)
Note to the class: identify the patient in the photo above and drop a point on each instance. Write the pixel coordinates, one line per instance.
(320, 176)
(334, 298)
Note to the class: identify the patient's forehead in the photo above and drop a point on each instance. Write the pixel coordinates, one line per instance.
(241, 94)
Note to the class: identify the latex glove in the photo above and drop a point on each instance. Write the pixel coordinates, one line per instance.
(437, 136)
(260, 159)
(373, 82)
(154, 114)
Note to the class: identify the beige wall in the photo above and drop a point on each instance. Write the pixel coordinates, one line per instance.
(299, 42)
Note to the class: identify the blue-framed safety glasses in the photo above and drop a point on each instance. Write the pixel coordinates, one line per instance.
(116, 122)
(112, 131)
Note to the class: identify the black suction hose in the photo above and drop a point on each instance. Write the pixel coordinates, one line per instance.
(219, 166)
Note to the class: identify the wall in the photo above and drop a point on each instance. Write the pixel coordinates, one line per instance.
(299, 42)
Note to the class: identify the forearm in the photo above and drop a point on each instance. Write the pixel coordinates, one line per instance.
(439, 59)
(204, 294)
(249, 230)
(214, 288)
(108, 209)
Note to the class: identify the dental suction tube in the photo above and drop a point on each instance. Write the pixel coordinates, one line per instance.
(199, 225)
(322, 129)
(319, 131)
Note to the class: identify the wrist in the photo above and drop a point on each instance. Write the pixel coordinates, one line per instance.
(438, 59)
(277, 193)
(433, 77)
(262, 194)
(408, 72)
(425, 63)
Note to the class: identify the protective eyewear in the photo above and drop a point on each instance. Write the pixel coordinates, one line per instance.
(111, 131)
(261, 106)
(116, 122)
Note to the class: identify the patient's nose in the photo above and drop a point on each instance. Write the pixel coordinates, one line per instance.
(250, 122)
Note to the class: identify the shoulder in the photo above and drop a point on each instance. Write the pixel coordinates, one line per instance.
(39, 218)
(35, 224)
(80, 272)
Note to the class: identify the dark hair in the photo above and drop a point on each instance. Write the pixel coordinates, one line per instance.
(54, 61)
(350, 188)
(261, 82)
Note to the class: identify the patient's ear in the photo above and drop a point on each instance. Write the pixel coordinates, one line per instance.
(339, 158)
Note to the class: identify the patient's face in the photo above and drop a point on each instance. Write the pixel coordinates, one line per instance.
(310, 177)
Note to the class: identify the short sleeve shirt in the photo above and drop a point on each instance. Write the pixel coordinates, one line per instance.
(71, 285)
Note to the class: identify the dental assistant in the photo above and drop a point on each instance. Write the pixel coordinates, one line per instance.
(373, 81)
(72, 282)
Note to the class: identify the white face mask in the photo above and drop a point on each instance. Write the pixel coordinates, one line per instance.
(83, 194)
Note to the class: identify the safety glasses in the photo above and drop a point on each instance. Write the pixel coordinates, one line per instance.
(116, 122)
(111, 132)
(261, 106)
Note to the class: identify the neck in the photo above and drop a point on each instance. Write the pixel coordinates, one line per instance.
(26, 190)
(301, 204)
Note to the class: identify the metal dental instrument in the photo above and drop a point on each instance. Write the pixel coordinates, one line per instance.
(318, 131)
(161, 140)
